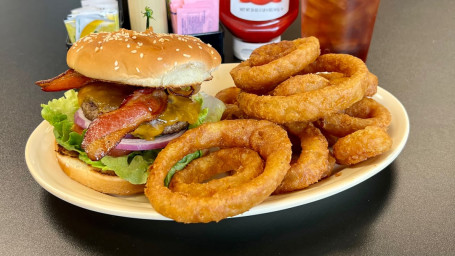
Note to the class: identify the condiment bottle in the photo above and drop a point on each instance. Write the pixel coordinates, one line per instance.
(254, 23)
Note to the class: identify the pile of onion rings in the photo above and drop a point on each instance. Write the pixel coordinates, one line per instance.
(291, 118)
(323, 103)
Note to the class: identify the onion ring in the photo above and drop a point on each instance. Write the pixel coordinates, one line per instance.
(229, 97)
(245, 164)
(299, 84)
(366, 112)
(314, 162)
(268, 139)
(361, 145)
(233, 112)
(371, 85)
(254, 75)
(371, 81)
(331, 75)
(311, 105)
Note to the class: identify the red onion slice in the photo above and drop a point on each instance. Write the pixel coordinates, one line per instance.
(139, 144)
(81, 120)
(129, 142)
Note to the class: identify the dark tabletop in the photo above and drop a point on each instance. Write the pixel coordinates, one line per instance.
(406, 209)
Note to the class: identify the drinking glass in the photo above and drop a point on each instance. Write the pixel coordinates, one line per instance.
(342, 26)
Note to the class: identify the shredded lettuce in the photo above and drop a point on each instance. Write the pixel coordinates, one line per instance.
(211, 109)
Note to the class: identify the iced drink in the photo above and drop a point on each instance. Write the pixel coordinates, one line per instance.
(342, 26)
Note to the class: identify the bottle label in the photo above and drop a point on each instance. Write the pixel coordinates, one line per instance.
(259, 10)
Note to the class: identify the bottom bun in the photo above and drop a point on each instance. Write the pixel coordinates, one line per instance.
(88, 176)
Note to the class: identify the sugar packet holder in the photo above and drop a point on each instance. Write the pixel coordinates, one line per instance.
(194, 16)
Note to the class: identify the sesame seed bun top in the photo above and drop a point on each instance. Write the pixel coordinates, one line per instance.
(144, 58)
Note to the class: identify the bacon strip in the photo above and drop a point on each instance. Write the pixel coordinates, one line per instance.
(105, 132)
(70, 79)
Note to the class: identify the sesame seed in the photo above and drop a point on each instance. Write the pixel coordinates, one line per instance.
(116, 63)
(139, 43)
(141, 55)
(186, 55)
(211, 52)
(200, 47)
(137, 69)
(191, 47)
(97, 49)
(177, 49)
(159, 58)
(101, 48)
(128, 46)
(133, 51)
(116, 68)
(134, 37)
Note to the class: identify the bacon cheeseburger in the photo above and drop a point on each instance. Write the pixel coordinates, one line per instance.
(136, 92)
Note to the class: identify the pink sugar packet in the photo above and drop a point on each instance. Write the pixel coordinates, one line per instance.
(194, 16)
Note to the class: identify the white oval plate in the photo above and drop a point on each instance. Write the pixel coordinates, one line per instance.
(41, 161)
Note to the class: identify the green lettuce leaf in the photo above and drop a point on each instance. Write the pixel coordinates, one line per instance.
(180, 165)
(60, 114)
(132, 167)
(57, 109)
(211, 109)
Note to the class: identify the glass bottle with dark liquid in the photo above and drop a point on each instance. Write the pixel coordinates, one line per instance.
(342, 26)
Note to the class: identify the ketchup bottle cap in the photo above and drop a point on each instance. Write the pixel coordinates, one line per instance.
(242, 49)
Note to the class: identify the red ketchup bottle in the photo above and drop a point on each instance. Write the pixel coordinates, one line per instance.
(254, 23)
